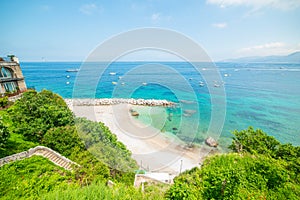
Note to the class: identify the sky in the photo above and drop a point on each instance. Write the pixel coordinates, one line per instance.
(66, 30)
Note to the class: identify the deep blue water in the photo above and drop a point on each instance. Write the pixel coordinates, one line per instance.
(265, 96)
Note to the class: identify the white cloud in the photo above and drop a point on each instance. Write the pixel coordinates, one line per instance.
(89, 9)
(155, 17)
(158, 17)
(273, 48)
(257, 4)
(220, 25)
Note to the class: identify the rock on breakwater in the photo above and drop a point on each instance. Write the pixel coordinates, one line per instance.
(115, 101)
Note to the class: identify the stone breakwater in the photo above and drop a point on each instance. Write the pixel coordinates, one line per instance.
(115, 101)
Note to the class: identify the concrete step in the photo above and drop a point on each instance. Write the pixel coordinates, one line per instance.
(61, 162)
(47, 154)
(54, 159)
(64, 165)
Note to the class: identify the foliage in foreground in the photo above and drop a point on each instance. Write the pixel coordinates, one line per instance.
(42, 118)
(98, 190)
(29, 178)
(261, 168)
(4, 134)
(37, 112)
(234, 176)
(104, 145)
(258, 142)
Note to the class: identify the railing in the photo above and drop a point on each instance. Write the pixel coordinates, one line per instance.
(38, 150)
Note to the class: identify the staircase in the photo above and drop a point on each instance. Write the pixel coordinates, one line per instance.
(46, 152)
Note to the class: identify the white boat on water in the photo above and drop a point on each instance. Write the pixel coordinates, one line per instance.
(112, 73)
(144, 83)
(114, 83)
(72, 70)
(201, 84)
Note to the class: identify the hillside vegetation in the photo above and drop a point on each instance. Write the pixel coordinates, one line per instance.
(43, 118)
(258, 166)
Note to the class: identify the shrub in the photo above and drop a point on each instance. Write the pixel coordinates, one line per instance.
(4, 134)
(63, 140)
(35, 113)
(3, 102)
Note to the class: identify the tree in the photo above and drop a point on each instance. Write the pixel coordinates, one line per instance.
(63, 139)
(3, 102)
(36, 112)
(253, 141)
(104, 145)
(235, 176)
(4, 134)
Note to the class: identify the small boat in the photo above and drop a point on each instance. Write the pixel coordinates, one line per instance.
(216, 85)
(114, 83)
(144, 83)
(68, 76)
(112, 73)
(120, 77)
(122, 83)
(67, 82)
(72, 70)
(226, 75)
(201, 84)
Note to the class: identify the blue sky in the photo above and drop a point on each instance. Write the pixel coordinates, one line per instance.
(69, 30)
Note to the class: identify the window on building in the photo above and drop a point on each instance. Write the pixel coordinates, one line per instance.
(6, 73)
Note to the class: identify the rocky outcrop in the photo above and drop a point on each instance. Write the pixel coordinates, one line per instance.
(135, 113)
(211, 142)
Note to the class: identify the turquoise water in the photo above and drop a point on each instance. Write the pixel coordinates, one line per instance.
(265, 96)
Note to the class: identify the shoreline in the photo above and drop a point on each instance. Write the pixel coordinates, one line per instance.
(152, 149)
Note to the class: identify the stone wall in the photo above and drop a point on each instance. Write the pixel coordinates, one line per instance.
(38, 150)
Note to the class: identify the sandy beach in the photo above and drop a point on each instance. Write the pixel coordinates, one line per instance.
(153, 150)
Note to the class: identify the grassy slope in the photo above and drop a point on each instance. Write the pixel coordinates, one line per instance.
(16, 142)
(32, 177)
(101, 191)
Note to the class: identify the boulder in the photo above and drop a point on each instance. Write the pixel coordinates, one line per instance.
(134, 113)
(211, 142)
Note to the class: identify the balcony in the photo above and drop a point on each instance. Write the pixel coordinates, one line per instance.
(4, 80)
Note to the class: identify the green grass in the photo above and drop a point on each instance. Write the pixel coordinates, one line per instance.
(16, 144)
(99, 190)
(32, 177)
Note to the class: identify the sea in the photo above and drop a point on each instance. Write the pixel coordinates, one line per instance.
(211, 99)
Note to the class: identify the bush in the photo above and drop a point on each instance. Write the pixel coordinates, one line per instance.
(32, 177)
(233, 176)
(63, 140)
(253, 141)
(4, 135)
(3, 102)
(35, 113)
(105, 146)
